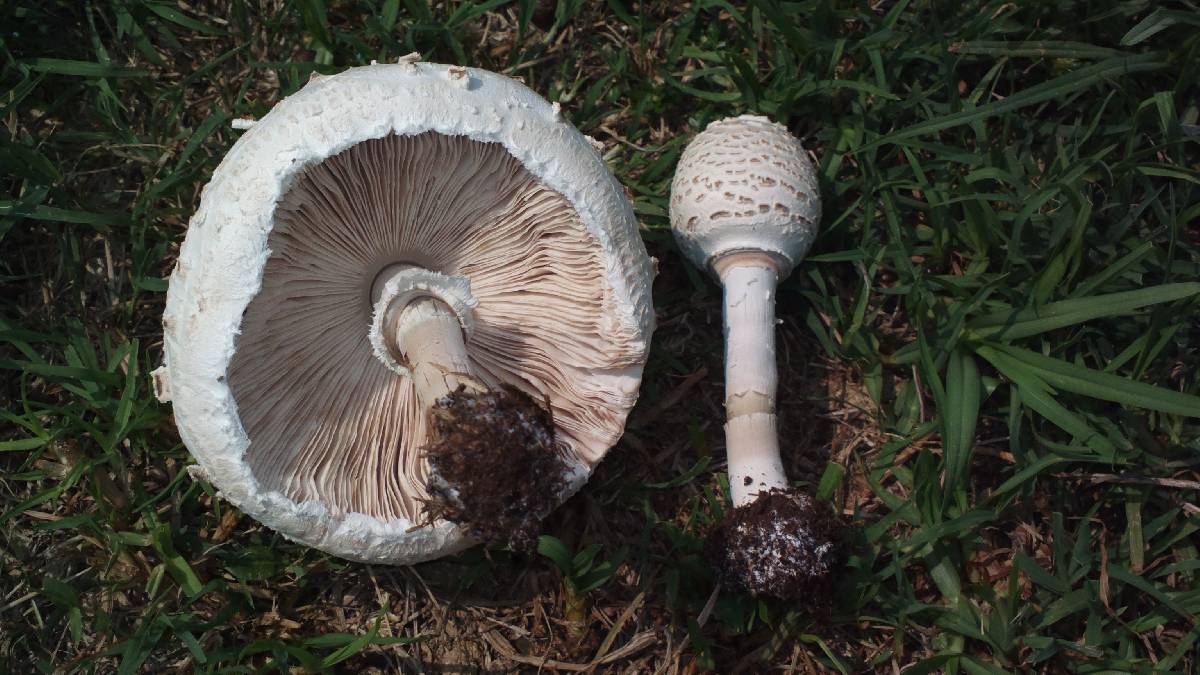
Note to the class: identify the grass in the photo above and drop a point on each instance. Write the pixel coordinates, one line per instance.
(989, 362)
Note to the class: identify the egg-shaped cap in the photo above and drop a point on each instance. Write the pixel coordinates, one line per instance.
(745, 184)
(277, 390)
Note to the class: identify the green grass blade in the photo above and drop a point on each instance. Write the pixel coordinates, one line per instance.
(1065, 85)
(1034, 48)
(55, 214)
(21, 444)
(82, 68)
(1037, 395)
(1158, 21)
(177, 566)
(1104, 386)
(1011, 325)
(963, 392)
(179, 18)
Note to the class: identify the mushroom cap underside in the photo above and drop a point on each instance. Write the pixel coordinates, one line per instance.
(276, 390)
(327, 420)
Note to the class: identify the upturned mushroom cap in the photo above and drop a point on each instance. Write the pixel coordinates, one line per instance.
(277, 390)
(745, 184)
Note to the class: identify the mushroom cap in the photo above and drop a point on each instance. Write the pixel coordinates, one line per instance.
(275, 387)
(745, 184)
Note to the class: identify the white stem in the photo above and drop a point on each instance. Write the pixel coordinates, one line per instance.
(420, 329)
(751, 440)
(429, 337)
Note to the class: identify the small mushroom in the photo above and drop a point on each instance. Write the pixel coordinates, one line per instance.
(398, 326)
(745, 206)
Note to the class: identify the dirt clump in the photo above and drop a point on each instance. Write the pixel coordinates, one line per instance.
(783, 544)
(495, 466)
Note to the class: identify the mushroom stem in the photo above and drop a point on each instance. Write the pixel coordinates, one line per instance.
(749, 281)
(420, 329)
(745, 203)
(495, 467)
(429, 337)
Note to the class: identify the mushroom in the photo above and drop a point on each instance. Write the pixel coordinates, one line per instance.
(410, 313)
(745, 206)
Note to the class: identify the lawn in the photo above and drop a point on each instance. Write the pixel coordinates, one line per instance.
(988, 363)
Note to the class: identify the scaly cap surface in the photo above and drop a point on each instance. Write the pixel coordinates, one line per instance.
(745, 184)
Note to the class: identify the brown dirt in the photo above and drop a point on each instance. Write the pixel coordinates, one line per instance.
(495, 466)
(783, 544)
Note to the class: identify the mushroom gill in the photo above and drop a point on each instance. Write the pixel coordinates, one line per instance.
(327, 421)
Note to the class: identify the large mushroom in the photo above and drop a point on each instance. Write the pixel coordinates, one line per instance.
(745, 206)
(411, 313)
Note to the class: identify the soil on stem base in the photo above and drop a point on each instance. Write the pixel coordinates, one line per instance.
(495, 467)
(783, 544)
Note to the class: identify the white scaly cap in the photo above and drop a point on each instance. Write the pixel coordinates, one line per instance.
(745, 184)
(277, 391)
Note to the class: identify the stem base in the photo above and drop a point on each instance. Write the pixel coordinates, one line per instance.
(783, 544)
